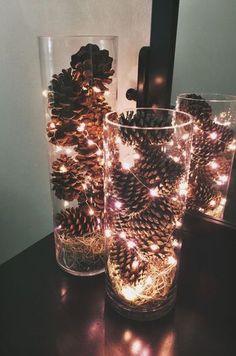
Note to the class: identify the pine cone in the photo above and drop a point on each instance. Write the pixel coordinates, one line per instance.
(67, 178)
(66, 98)
(158, 219)
(158, 170)
(126, 261)
(198, 108)
(129, 191)
(145, 119)
(202, 194)
(93, 66)
(76, 221)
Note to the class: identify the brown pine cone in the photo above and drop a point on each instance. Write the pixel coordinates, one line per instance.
(156, 169)
(145, 119)
(133, 196)
(68, 175)
(93, 65)
(126, 260)
(202, 194)
(76, 221)
(158, 219)
(197, 107)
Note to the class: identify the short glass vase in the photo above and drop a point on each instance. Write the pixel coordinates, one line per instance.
(214, 144)
(147, 160)
(79, 88)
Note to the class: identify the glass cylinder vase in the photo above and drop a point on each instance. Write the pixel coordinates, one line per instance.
(213, 150)
(147, 160)
(79, 88)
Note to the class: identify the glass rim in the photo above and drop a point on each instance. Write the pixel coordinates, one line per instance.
(189, 122)
(216, 97)
(105, 37)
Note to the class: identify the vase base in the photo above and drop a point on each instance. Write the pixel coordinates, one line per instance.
(81, 273)
(144, 314)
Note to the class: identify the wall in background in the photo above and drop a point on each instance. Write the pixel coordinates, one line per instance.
(205, 57)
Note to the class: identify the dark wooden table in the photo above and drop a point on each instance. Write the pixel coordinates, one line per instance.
(45, 312)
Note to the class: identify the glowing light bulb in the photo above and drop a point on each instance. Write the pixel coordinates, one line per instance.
(96, 89)
(129, 293)
(154, 192)
(136, 347)
(178, 223)
(214, 165)
(171, 260)
(171, 143)
(81, 127)
(59, 227)
(118, 204)
(91, 211)
(45, 93)
(213, 135)
(185, 136)
(90, 142)
(122, 235)
(154, 247)
(175, 243)
(99, 152)
(66, 203)
(58, 149)
(63, 169)
(149, 281)
(136, 156)
(84, 185)
(223, 178)
(176, 159)
(68, 150)
(183, 188)
(135, 265)
(126, 165)
(127, 335)
(131, 244)
(223, 201)
(232, 146)
(108, 233)
(212, 203)
(52, 125)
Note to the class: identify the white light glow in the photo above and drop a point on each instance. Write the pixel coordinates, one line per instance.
(59, 148)
(178, 223)
(118, 204)
(90, 142)
(185, 136)
(108, 233)
(136, 347)
(171, 260)
(131, 244)
(45, 93)
(122, 235)
(213, 135)
(135, 265)
(183, 188)
(214, 165)
(96, 89)
(66, 203)
(127, 335)
(154, 192)
(91, 211)
(81, 127)
(68, 151)
(63, 169)
(99, 152)
(154, 247)
(212, 203)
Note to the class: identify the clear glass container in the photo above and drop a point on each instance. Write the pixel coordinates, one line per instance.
(79, 83)
(147, 160)
(213, 150)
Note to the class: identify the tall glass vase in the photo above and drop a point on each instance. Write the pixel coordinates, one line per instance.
(147, 160)
(79, 88)
(214, 144)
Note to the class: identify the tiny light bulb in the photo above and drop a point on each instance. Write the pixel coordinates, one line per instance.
(108, 233)
(176, 159)
(212, 203)
(81, 127)
(58, 148)
(118, 204)
(171, 143)
(91, 211)
(175, 243)
(66, 203)
(45, 93)
(52, 125)
(171, 260)
(131, 244)
(84, 185)
(149, 280)
(136, 347)
(122, 235)
(223, 201)
(126, 165)
(96, 89)
(154, 247)
(135, 265)
(178, 223)
(127, 335)
(68, 150)
(136, 156)
(214, 165)
(213, 135)
(63, 169)
(223, 178)
(185, 136)
(154, 192)
(90, 142)
(99, 152)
